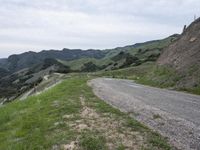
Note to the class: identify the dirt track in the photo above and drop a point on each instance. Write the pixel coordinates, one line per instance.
(175, 115)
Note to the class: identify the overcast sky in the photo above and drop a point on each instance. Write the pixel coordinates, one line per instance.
(34, 25)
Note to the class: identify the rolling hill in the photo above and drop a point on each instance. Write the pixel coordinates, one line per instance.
(17, 62)
(19, 73)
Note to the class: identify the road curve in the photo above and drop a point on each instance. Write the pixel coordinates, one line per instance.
(175, 115)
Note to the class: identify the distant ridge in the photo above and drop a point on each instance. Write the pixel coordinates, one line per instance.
(27, 59)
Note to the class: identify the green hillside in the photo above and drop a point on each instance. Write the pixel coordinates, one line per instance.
(148, 51)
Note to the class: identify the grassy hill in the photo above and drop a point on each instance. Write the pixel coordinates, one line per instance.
(147, 51)
(13, 85)
(70, 115)
(26, 60)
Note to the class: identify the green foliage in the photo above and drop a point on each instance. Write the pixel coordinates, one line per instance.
(123, 56)
(156, 140)
(156, 116)
(89, 67)
(128, 59)
(127, 73)
(3, 72)
(135, 125)
(92, 141)
(194, 90)
(121, 147)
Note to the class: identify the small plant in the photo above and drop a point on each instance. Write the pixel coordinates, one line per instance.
(156, 116)
(156, 140)
(135, 125)
(92, 141)
(121, 147)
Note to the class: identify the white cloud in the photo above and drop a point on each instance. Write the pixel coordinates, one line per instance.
(36, 25)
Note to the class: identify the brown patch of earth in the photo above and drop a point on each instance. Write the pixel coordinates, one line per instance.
(71, 146)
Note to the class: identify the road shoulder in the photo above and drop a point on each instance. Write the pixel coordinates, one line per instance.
(181, 133)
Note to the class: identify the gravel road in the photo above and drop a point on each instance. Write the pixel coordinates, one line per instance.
(175, 115)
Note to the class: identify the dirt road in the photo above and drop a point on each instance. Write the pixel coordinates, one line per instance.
(175, 115)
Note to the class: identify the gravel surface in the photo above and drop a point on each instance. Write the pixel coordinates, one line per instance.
(175, 115)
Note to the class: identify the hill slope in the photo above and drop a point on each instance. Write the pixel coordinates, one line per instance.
(184, 56)
(13, 85)
(140, 52)
(25, 60)
(21, 72)
(28, 59)
(185, 51)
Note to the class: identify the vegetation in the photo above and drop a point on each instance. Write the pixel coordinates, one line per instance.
(66, 113)
(39, 64)
(69, 114)
(122, 57)
(3, 72)
(89, 67)
(160, 76)
(151, 74)
(92, 141)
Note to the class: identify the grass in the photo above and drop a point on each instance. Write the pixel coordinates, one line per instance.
(153, 75)
(92, 141)
(38, 122)
(160, 76)
(195, 90)
(157, 141)
(121, 147)
(78, 64)
(127, 73)
(156, 116)
(148, 74)
(30, 124)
